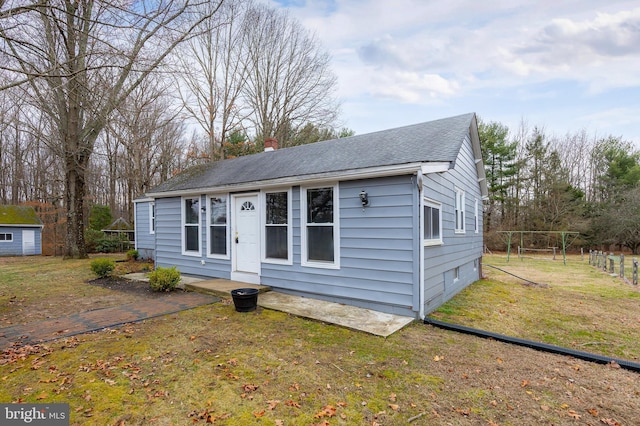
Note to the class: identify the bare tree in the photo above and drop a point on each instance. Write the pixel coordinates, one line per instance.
(211, 75)
(289, 82)
(81, 60)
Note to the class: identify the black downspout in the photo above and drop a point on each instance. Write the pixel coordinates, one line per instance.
(586, 356)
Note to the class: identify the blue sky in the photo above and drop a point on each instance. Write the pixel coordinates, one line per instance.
(564, 65)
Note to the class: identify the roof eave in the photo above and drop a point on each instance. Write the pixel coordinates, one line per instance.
(311, 179)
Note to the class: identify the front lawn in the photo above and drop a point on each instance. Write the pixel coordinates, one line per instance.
(212, 364)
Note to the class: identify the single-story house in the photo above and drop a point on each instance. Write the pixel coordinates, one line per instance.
(20, 231)
(390, 221)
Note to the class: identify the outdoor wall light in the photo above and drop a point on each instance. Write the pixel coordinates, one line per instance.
(364, 198)
(203, 209)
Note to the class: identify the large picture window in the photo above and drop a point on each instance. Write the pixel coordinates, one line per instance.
(218, 226)
(277, 225)
(191, 225)
(431, 222)
(320, 233)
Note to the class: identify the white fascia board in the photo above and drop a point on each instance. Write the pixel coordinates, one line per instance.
(143, 200)
(21, 225)
(435, 167)
(342, 175)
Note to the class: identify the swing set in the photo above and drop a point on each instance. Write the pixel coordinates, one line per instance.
(564, 238)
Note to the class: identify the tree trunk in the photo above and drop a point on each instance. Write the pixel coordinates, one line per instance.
(74, 202)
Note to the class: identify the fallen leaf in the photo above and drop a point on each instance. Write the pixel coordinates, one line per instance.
(593, 412)
(258, 414)
(609, 422)
(249, 387)
(438, 358)
(524, 383)
(574, 415)
(392, 397)
(292, 403)
(394, 407)
(43, 395)
(273, 403)
(327, 411)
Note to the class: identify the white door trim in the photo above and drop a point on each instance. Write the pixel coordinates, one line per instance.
(239, 275)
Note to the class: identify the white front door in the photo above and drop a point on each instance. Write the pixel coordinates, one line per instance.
(245, 238)
(28, 241)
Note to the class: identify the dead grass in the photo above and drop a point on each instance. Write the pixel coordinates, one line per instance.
(581, 307)
(265, 367)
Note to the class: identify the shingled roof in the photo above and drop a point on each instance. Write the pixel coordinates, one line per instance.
(19, 215)
(433, 141)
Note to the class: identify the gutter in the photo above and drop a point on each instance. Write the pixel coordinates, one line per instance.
(311, 179)
(544, 347)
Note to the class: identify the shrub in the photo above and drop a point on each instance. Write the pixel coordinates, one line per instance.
(103, 267)
(164, 279)
(133, 254)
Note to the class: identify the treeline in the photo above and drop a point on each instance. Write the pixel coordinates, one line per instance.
(576, 182)
(102, 100)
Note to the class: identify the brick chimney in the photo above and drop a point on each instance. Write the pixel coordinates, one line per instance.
(270, 144)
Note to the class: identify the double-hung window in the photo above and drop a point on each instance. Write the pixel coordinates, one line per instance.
(476, 218)
(277, 230)
(191, 226)
(6, 237)
(432, 224)
(459, 211)
(217, 223)
(320, 233)
(152, 218)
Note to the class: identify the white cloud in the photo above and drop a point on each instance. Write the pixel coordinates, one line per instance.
(463, 53)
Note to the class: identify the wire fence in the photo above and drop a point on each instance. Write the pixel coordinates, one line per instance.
(615, 265)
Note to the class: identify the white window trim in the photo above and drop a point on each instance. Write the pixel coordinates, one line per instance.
(210, 255)
(459, 196)
(336, 229)
(433, 204)
(263, 225)
(456, 274)
(183, 225)
(475, 216)
(152, 217)
(5, 240)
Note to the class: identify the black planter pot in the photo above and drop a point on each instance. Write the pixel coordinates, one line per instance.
(245, 299)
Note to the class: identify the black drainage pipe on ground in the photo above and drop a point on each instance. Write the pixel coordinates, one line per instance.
(586, 356)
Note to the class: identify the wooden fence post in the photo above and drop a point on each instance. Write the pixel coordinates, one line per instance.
(635, 271)
(611, 263)
(621, 272)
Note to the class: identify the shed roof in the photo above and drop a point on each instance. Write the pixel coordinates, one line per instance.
(19, 215)
(432, 141)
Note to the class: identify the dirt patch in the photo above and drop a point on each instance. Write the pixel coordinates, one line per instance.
(132, 287)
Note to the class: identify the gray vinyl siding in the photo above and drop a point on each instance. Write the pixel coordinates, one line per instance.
(14, 248)
(169, 242)
(145, 240)
(458, 250)
(378, 261)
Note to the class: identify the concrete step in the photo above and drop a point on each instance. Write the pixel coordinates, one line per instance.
(221, 287)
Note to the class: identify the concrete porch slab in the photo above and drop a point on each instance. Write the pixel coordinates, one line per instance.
(367, 320)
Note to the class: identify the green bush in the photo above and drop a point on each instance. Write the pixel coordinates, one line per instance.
(164, 279)
(133, 254)
(103, 267)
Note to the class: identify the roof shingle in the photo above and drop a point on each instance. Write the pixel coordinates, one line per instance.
(433, 141)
